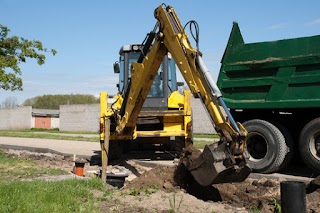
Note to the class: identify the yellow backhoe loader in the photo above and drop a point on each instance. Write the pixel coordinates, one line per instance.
(224, 161)
(164, 122)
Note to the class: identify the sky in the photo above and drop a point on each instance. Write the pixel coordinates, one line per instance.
(89, 34)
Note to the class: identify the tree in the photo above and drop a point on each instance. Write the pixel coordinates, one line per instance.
(13, 51)
(54, 101)
(30, 101)
(9, 102)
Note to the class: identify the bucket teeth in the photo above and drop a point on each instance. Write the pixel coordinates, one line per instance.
(214, 165)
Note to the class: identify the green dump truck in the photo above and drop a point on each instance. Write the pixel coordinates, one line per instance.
(273, 88)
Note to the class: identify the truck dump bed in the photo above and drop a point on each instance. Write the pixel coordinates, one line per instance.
(276, 74)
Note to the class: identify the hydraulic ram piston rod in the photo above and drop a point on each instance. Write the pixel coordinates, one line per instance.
(216, 91)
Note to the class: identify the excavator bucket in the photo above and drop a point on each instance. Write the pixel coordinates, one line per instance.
(214, 165)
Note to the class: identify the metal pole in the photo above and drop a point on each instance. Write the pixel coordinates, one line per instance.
(105, 151)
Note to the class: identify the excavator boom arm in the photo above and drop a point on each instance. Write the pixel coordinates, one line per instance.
(172, 37)
(225, 162)
(190, 64)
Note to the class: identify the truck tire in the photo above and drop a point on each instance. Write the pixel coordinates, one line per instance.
(289, 144)
(309, 144)
(266, 146)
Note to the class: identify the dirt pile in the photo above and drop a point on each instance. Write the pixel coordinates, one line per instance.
(47, 160)
(251, 194)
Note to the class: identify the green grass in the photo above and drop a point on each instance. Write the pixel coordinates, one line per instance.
(17, 168)
(175, 206)
(199, 144)
(205, 136)
(32, 134)
(144, 190)
(41, 196)
(56, 130)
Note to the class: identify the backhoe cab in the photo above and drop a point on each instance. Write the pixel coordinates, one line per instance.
(165, 81)
(145, 74)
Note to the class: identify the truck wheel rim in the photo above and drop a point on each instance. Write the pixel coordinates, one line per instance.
(314, 145)
(257, 146)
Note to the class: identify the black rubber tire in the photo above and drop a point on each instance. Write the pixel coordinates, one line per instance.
(289, 144)
(115, 149)
(309, 144)
(266, 146)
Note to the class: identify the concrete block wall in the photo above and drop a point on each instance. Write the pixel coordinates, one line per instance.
(82, 117)
(201, 119)
(85, 117)
(16, 118)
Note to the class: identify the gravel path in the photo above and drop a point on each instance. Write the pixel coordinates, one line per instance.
(67, 147)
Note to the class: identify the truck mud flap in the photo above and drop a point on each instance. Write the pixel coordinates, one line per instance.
(214, 165)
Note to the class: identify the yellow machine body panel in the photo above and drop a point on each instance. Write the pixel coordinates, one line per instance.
(176, 120)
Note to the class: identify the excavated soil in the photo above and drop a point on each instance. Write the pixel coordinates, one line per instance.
(251, 194)
(173, 189)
